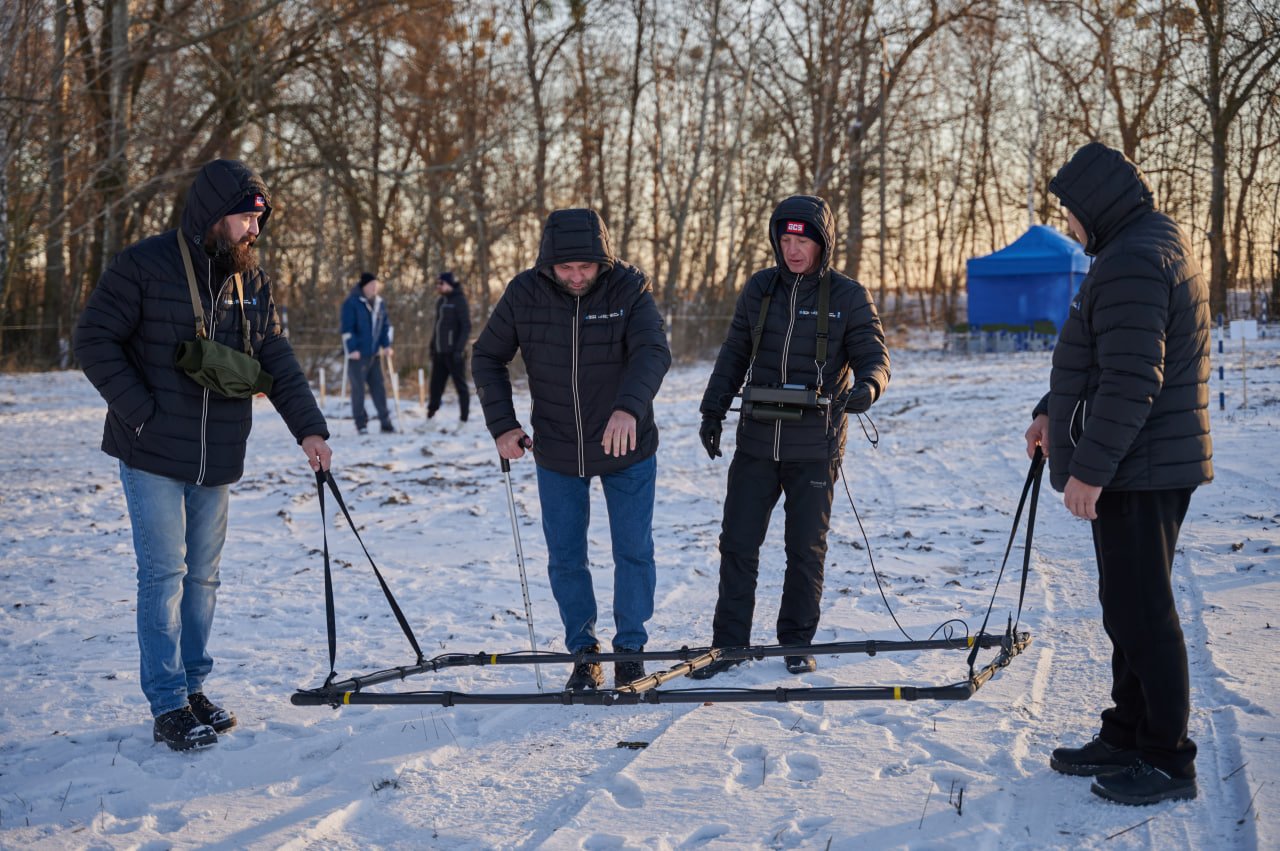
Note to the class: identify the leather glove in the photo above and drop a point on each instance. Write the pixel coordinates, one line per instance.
(861, 396)
(709, 432)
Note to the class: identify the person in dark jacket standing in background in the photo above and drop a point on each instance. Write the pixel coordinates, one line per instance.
(449, 345)
(807, 344)
(366, 337)
(1125, 425)
(180, 444)
(595, 349)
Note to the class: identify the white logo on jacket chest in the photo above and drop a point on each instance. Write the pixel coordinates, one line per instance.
(596, 317)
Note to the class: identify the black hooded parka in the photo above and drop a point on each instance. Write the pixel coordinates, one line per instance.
(1128, 403)
(586, 355)
(158, 419)
(856, 348)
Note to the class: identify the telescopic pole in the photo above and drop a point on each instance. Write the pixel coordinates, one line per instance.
(524, 581)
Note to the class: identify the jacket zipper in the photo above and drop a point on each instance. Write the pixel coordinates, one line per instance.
(573, 384)
(204, 403)
(782, 370)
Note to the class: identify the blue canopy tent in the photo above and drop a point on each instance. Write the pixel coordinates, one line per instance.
(1028, 282)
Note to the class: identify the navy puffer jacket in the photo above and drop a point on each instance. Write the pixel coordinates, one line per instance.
(1128, 399)
(158, 419)
(586, 356)
(856, 349)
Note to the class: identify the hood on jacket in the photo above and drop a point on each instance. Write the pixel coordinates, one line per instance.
(220, 186)
(575, 236)
(813, 211)
(1104, 190)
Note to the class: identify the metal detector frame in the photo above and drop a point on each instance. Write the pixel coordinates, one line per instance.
(352, 691)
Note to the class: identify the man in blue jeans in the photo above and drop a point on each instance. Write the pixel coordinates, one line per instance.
(595, 349)
(366, 337)
(181, 444)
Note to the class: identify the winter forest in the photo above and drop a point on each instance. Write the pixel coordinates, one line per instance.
(408, 137)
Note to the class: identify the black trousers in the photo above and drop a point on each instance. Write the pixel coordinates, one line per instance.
(753, 490)
(1134, 538)
(443, 366)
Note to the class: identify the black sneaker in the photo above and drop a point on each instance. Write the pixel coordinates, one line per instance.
(628, 672)
(719, 666)
(1095, 758)
(1141, 783)
(586, 676)
(801, 664)
(182, 731)
(361, 430)
(208, 712)
(388, 428)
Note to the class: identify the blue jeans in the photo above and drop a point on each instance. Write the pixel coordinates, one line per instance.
(178, 532)
(566, 511)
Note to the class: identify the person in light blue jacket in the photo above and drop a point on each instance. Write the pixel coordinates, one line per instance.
(366, 336)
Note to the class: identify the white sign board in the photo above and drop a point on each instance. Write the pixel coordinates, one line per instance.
(1244, 329)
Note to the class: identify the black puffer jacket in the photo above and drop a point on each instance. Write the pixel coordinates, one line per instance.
(452, 327)
(1128, 403)
(855, 350)
(158, 419)
(586, 356)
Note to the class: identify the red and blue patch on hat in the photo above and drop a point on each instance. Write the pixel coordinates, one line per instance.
(254, 202)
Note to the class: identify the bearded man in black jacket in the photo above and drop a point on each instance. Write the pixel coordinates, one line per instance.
(180, 444)
(1125, 425)
(807, 344)
(595, 349)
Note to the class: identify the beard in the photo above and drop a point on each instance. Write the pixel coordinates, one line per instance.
(235, 256)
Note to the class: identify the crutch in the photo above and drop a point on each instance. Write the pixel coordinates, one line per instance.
(345, 356)
(395, 382)
(524, 581)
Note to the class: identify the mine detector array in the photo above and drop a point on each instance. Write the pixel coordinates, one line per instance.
(952, 635)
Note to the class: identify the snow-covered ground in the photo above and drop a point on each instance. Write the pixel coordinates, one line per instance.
(78, 768)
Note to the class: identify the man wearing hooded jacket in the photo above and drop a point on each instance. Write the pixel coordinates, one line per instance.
(1125, 425)
(789, 449)
(180, 445)
(595, 350)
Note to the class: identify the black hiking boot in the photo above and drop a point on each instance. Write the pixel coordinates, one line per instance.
(182, 731)
(1095, 758)
(586, 676)
(388, 428)
(208, 712)
(719, 666)
(1141, 783)
(801, 664)
(628, 672)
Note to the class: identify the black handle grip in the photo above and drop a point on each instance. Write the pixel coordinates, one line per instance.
(526, 442)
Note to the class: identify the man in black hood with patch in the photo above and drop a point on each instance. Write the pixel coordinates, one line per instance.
(595, 349)
(1125, 426)
(805, 346)
(181, 443)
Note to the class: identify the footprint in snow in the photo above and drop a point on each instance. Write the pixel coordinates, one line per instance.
(626, 792)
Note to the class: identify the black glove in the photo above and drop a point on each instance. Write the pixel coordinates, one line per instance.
(710, 435)
(860, 398)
